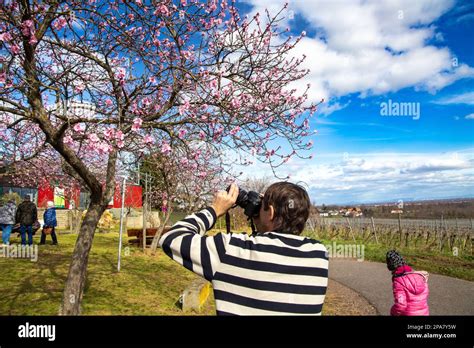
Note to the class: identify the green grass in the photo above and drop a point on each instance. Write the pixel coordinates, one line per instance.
(461, 266)
(146, 285)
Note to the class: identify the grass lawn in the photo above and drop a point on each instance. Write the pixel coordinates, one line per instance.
(145, 286)
(461, 266)
(149, 285)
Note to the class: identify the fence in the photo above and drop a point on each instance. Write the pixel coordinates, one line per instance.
(439, 234)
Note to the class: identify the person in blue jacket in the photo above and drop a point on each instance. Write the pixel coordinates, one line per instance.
(49, 218)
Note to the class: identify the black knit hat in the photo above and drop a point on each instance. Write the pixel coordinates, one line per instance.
(394, 260)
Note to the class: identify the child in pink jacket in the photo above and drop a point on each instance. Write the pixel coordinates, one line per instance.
(410, 289)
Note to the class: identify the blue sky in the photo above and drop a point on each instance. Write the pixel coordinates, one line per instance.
(363, 54)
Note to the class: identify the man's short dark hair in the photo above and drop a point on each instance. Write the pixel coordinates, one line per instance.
(291, 204)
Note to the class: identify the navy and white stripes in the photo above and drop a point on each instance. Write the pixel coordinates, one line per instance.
(265, 274)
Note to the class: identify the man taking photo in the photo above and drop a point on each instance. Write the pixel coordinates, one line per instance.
(273, 272)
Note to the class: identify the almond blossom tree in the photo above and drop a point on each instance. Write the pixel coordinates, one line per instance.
(91, 80)
(183, 178)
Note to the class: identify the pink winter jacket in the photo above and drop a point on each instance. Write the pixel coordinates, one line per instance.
(410, 292)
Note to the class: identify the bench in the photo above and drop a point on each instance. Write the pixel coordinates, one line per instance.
(138, 233)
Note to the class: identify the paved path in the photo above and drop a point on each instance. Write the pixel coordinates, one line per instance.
(448, 296)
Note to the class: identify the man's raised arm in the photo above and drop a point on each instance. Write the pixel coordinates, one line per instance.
(187, 244)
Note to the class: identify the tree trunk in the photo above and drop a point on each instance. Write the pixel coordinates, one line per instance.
(74, 289)
(156, 238)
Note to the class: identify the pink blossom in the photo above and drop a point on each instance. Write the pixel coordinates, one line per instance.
(121, 73)
(148, 139)
(189, 55)
(68, 140)
(94, 138)
(182, 133)
(5, 37)
(146, 101)
(163, 9)
(3, 77)
(15, 49)
(59, 23)
(213, 83)
(235, 103)
(79, 127)
(202, 135)
(119, 135)
(137, 123)
(104, 148)
(33, 40)
(108, 102)
(165, 148)
(109, 133)
(183, 108)
(79, 87)
(235, 130)
(28, 28)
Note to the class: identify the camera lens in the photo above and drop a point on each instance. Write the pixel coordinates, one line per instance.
(249, 201)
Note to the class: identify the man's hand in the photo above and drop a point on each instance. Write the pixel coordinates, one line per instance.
(224, 200)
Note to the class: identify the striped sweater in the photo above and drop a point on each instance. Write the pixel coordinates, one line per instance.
(264, 274)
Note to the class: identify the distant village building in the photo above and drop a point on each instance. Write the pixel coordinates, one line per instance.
(346, 212)
(353, 212)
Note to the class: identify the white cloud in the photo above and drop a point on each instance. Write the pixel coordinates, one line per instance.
(327, 109)
(469, 117)
(381, 176)
(464, 98)
(372, 47)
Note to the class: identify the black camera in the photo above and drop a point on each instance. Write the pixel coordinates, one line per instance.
(250, 202)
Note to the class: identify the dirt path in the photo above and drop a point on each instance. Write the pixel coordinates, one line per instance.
(448, 296)
(341, 300)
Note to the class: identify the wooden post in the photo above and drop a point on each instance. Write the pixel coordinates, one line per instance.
(70, 220)
(441, 235)
(350, 229)
(373, 230)
(400, 228)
